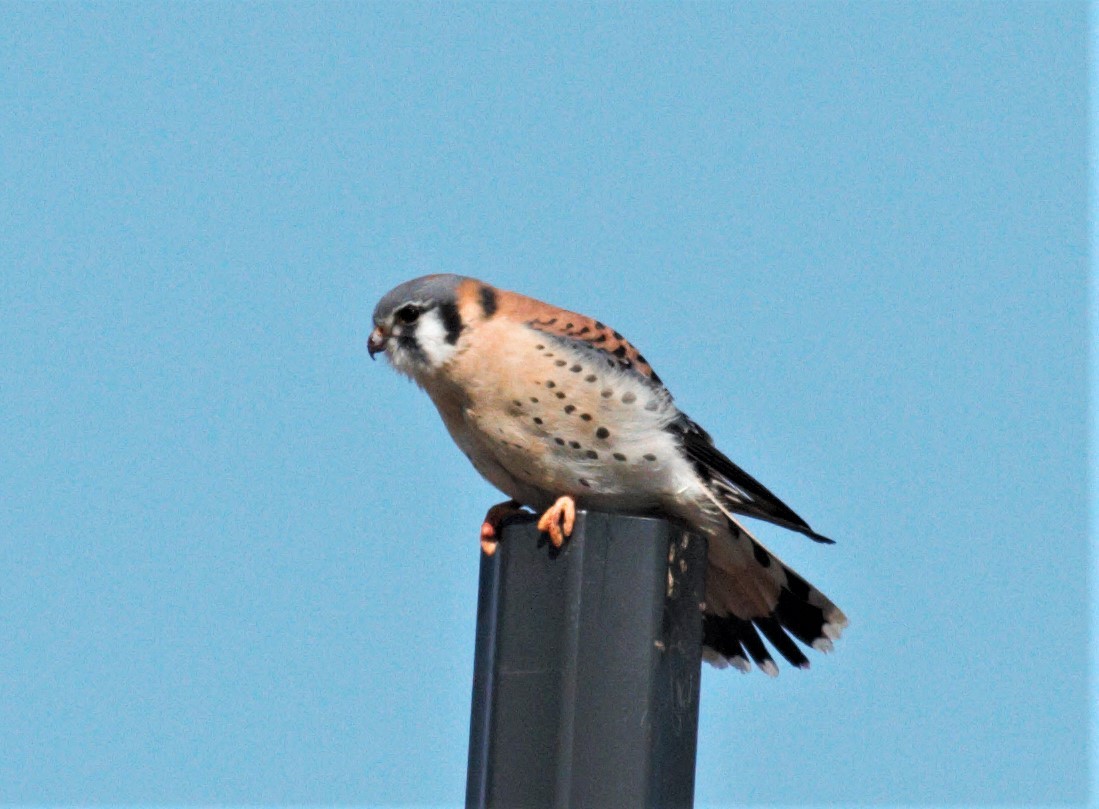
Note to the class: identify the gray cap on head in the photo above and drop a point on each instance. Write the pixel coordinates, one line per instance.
(427, 291)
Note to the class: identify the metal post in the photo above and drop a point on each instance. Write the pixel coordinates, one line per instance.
(587, 666)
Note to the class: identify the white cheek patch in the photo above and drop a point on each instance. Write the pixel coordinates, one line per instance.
(431, 336)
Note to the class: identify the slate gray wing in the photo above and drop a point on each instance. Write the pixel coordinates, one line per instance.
(734, 487)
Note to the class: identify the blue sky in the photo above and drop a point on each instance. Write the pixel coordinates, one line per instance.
(239, 559)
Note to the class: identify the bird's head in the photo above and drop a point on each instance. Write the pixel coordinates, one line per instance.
(418, 324)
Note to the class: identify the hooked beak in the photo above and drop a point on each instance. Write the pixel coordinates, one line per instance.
(376, 342)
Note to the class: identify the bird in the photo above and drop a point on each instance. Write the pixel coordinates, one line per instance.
(560, 412)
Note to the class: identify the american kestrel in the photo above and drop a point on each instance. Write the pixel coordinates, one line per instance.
(559, 412)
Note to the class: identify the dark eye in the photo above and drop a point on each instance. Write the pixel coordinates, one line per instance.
(408, 313)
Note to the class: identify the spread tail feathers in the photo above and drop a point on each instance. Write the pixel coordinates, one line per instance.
(750, 591)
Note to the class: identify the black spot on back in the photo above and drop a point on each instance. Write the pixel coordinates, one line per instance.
(761, 555)
(488, 301)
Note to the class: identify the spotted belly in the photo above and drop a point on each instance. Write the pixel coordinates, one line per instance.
(569, 425)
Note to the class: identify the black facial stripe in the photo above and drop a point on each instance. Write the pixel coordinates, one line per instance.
(407, 341)
(452, 321)
(488, 301)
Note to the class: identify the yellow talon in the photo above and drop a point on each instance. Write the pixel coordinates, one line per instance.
(558, 521)
(490, 528)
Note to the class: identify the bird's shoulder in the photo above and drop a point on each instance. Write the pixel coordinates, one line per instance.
(575, 332)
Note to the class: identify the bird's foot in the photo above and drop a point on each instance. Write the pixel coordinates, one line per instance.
(494, 520)
(559, 520)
